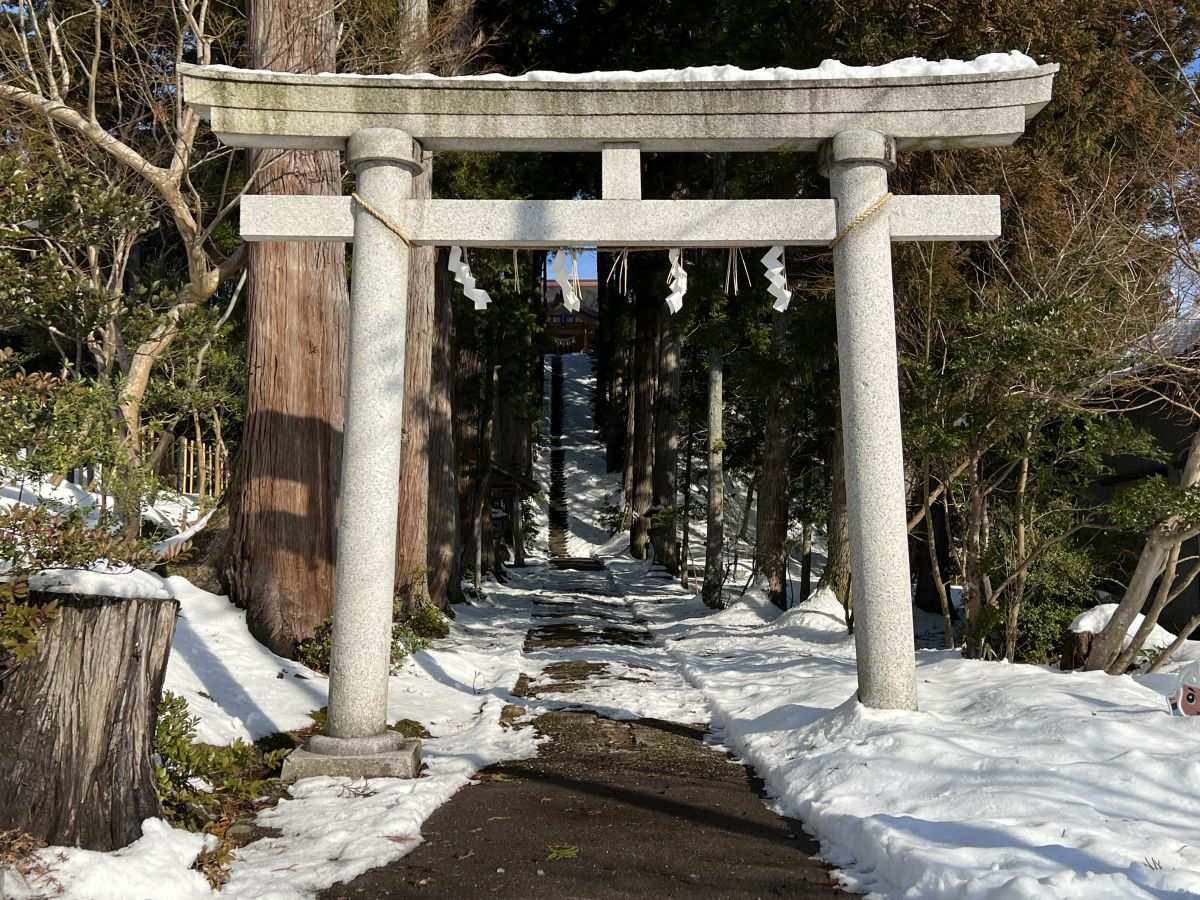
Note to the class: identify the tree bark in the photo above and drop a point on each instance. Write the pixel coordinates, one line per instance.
(604, 347)
(628, 448)
(805, 561)
(666, 446)
(468, 388)
(443, 509)
(714, 542)
(78, 723)
(284, 534)
(617, 415)
(645, 377)
(836, 576)
(770, 544)
(412, 534)
(685, 530)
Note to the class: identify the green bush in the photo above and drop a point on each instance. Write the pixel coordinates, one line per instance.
(1062, 584)
(206, 788)
(408, 637)
(233, 775)
(428, 622)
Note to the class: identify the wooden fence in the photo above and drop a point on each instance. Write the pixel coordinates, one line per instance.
(199, 468)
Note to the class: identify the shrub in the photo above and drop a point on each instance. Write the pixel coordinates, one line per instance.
(205, 788)
(408, 637)
(1062, 584)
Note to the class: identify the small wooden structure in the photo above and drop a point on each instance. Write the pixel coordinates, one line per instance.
(507, 489)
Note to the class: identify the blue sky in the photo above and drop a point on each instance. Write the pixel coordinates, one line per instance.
(587, 263)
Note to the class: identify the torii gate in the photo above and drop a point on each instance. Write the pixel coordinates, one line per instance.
(856, 124)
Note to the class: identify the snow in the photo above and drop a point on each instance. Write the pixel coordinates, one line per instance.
(1013, 781)
(154, 866)
(170, 510)
(591, 488)
(234, 686)
(1096, 619)
(830, 69)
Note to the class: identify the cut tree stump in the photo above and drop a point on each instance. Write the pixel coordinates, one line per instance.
(77, 723)
(1076, 647)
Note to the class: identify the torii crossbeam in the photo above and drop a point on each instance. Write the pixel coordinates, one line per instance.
(856, 124)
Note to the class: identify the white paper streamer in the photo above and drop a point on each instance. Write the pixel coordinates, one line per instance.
(775, 274)
(462, 274)
(563, 277)
(677, 281)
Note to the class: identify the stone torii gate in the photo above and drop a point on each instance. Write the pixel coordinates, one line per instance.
(856, 124)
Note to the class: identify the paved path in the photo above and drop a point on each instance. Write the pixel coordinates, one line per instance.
(630, 809)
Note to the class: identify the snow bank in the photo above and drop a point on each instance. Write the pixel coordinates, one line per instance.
(1013, 781)
(171, 510)
(156, 865)
(1096, 619)
(238, 689)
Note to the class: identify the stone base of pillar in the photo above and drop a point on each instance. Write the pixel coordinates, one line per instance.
(388, 755)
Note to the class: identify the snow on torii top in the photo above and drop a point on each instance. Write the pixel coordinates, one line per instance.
(923, 104)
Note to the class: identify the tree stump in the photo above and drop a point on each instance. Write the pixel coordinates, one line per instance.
(77, 723)
(1076, 647)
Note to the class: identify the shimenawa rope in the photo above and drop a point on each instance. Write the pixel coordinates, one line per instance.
(382, 219)
(861, 217)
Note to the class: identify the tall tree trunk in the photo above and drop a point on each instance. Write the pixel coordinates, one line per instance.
(685, 556)
(836, 576)
(805, 561)
(714, 542)
(443, 509)
(468, 386)
(666, 445)
(628, 448)
(485, 544)
(412, 531)
(645, 376)
(604, 346)
(284, 532)
(78, 723)
(770, 543)
(973, 584)
(412, 534)
(617, 416)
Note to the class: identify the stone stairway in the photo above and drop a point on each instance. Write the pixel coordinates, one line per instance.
(639, 809)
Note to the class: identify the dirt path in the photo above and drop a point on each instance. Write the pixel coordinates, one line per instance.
(636, 809)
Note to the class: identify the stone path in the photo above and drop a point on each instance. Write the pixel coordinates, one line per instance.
(559, 522)
(630, 809)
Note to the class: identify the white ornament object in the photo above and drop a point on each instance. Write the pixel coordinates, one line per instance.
(462, 274)
(563, 277)
(778, 278)
(677, 280)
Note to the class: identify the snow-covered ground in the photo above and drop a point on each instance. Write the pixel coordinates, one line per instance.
(331, 833)
(1013, 781)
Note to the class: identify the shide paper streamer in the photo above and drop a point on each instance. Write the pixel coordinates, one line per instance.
(563, 277)
(462, 274)
(775, 274)
(677, 281)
